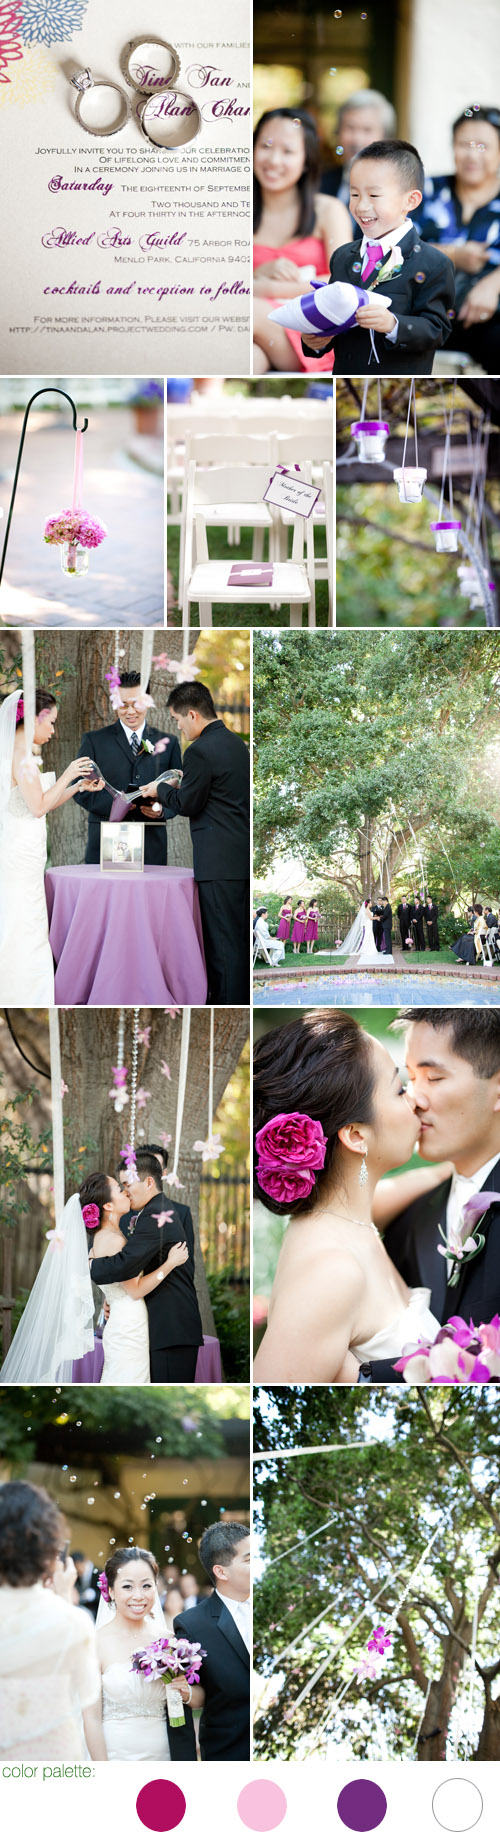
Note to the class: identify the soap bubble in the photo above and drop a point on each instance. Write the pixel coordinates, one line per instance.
(72, 1478)
(203, 1503)
(333, 70)
(112, 1541)
(116, 1497)
(420, 277)
(476, 106)
(467, 111)
(339, 149)
(451, 313)
(159, 1439)
(337, 13)
(480, 146)
(90, 1500)
(65, 1468)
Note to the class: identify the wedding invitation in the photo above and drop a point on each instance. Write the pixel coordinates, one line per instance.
(125, 251)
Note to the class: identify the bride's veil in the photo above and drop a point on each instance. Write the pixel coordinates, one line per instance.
(352, 943)
(8, 714)
(57, 1326)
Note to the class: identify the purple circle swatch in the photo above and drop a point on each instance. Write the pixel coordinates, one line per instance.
(262, 1806)
(161, 1805)
(362, 1806)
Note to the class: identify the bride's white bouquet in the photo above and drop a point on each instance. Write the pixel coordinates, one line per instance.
(170, 1657)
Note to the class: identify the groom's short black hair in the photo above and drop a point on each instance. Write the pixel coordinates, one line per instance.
(197, 696)
(475, 1034)
(219, 1543)
(147, 1149)
(131, 680)
(147, 1164)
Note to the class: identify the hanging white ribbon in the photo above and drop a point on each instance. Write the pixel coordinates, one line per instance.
(28, 651)
(181, 1091)
(211, 1078)
(57, 1113)
(148, 639)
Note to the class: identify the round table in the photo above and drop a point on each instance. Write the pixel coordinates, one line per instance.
(125, 937)
(88, 1370)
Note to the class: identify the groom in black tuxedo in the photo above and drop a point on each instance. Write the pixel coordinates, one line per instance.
(453, 1059)
(175, 1330)
(123, 759)
(386, 928)
(221, 1623)
(215, 796)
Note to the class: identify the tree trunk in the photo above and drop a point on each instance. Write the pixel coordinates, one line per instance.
(84, 705)
(365, 859)
(434, 1733)
(88, 1052)
(488, 1749)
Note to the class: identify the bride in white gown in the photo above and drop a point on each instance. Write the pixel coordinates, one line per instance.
(337, 1299)
(57, 1325)
(360, 942)
(133, 1709)
(26, 794)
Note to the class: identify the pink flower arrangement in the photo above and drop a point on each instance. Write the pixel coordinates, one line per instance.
(20, 711)
(75, 527)
(460, 1355)
(290, 1148)
(104, 1586)
(379, 1641)
(91, 1216)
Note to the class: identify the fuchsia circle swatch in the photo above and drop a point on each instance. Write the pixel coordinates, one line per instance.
(362, 1806)
(262, 1806)
(161, 1805)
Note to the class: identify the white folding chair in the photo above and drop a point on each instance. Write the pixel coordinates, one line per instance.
(261, 951)
(330, 539)
(486, 951)
(238, 494)
(224, 449)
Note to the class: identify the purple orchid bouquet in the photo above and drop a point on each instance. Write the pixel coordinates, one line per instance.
(460, 1355)
(170, 1658)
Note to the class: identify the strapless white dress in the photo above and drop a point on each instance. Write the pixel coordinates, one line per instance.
(414, 1323)
(134, 1719)
(26, 963)
(125, 1339)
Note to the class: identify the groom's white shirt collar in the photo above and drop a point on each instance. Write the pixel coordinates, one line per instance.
(462, 1189)
(128, 732)
(240, 1613)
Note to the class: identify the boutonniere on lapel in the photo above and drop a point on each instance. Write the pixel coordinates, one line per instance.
(146, 746)
(466, 1239)
(391, 265)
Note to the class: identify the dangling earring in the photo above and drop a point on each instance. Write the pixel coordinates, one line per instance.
(363, 1177)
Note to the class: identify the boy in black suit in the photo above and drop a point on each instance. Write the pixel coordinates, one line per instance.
(221, 1623)
(215, 796)
(387, 181)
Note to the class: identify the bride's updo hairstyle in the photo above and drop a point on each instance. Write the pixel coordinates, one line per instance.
(321, 1068)
(44, 699)
(129, 1555)
(94, 1194)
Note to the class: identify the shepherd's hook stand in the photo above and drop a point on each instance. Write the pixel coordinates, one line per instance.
(44, 392)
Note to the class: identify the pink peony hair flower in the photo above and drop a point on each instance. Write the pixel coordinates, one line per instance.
(91, 1215)
(104, 1586)
(20, 712)
(290, 1148)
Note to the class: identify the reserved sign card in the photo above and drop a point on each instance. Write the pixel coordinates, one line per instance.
(292, 493)
(125, 251)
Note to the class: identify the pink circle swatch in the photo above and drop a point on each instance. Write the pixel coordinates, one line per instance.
(262, 1806)
(161, 1805)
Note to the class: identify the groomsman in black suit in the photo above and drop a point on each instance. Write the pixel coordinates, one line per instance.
(222, 1625)
(175, 1330)
(431, 921)
(417, 915)
(453, 1060)
(404, 917)
(86, 1584)
(215, 796)
(123, 758)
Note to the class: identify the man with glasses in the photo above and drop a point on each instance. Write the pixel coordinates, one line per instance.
(123, 755)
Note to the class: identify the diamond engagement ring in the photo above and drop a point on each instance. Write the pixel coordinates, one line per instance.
(82, 81)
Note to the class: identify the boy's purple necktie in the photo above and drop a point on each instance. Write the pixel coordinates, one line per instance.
(373, 254)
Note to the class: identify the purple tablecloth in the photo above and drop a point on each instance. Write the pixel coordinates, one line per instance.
(88, 1371)
(125, 937)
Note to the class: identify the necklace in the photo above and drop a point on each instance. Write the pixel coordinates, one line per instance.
(352, 1221)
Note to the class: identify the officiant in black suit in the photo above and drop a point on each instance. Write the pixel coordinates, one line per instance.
(123, 759)
(175, 1330)
(221, 1623)
(417, 916)
(431, 921)
(404, 917)
(215, 796)
(377, 926)
(453, 1059)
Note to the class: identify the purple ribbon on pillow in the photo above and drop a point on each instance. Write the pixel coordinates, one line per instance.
(312, 312)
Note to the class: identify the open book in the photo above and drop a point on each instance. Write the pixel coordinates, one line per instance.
(123, 801)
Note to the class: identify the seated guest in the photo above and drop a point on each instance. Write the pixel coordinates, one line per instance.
(296, 230)
(431, 921)
(365, 116)
(468, 948)
(460, 214)
(387, 182)
(274, 947)
(491, 918)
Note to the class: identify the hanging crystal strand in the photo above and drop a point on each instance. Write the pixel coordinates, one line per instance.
(117, 650)
(211, 1078)
(121, 1039)
(133, 1081)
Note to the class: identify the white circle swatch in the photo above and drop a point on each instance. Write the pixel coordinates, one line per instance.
(457, 1805)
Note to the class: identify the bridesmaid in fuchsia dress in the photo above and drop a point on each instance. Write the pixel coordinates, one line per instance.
(299, 926)
(285, 919)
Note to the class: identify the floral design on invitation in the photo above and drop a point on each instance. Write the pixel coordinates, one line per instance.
(44, 22)
(10, 41)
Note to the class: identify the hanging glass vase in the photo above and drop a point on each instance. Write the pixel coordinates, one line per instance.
(370, 438)
(446, 535)
(410, 481)
(74, 558)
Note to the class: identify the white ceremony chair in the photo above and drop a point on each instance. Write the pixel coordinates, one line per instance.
(208, 450)
(238, 494)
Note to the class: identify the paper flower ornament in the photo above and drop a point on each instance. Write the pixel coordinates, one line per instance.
(330, 307)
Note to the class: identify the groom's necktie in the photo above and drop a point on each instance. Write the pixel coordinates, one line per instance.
(135, 744)
(373, 254)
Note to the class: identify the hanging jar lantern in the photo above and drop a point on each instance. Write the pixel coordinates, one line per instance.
(370, 438)
(410, 481)
(73, 530)
(74, 558)
(446, 535)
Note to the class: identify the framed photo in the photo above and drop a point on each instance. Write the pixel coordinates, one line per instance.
(122, 847)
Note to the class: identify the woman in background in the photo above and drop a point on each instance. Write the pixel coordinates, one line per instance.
(296, 230)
